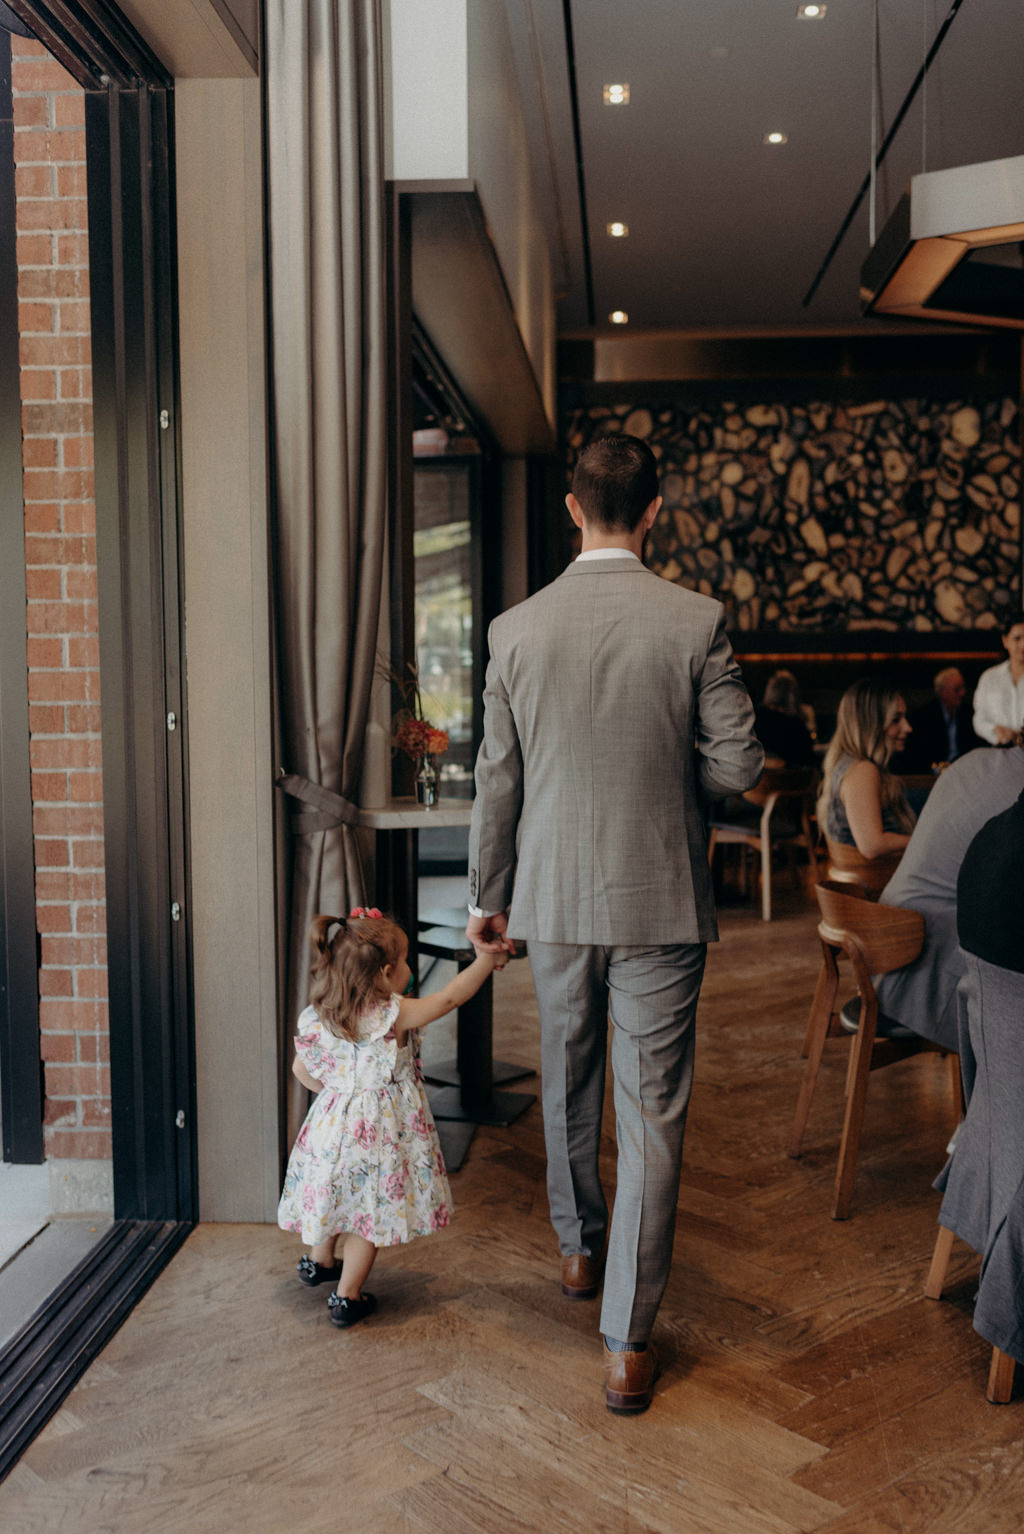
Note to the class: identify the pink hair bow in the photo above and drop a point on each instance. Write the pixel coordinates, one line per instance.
(362, 910)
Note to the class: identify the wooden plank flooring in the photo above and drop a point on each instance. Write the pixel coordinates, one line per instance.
(807, 1383)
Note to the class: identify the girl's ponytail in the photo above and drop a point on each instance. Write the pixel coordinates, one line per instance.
(318, 931)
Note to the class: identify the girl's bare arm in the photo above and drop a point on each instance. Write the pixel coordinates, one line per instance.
(418, 1011)
(300, 1072)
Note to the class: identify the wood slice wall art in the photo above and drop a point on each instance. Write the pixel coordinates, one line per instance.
(895, 514)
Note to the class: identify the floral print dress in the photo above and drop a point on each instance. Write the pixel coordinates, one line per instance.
(367, 1159)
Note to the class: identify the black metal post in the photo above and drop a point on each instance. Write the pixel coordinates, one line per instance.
(21, 1087)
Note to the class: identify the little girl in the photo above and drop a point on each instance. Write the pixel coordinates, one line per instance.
(367, 1160)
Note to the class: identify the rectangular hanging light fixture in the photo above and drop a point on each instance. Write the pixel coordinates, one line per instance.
(953, 249)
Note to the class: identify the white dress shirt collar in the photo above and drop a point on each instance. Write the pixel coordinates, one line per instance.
(607, 554)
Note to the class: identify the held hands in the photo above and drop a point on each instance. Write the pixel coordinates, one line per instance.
(488, 936)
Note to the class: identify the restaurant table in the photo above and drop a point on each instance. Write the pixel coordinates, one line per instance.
(462, 1091)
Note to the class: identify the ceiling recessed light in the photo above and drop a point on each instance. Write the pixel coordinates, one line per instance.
(619, 317)
(775, 137)
(618, 231)
(811, 12)
(616, 95)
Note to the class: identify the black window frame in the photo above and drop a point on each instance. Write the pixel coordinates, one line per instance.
(21, 1076)
(130, 159)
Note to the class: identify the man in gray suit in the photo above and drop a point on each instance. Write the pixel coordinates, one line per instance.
(613, 709)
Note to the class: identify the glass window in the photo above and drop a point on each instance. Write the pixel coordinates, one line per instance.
(444, 612)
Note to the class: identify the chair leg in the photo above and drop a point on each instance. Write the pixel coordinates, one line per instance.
(712, 844)
(766, 871)
(940, 1263)
(814, 1044)
(828, 979)
(856, 1097)
(1000, 1378)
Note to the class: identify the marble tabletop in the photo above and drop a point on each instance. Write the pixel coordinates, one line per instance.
(407, 815)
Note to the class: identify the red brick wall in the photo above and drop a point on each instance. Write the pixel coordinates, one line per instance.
(60, 557)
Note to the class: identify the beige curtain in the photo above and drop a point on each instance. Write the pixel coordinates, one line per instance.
(328, 327)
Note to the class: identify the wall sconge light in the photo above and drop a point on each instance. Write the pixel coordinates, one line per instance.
(616, 95)
(811, 12)
(619, 317)
(618, 231)
(775, 137)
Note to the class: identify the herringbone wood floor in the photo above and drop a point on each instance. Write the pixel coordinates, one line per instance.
(807, 1383)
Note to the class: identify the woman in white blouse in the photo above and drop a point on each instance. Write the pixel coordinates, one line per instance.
(999, 695)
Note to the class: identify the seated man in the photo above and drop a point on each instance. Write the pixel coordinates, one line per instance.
(922, 996)
(983, 1187)
(942, 727)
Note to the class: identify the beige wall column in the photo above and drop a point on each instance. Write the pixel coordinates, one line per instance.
(227, 635)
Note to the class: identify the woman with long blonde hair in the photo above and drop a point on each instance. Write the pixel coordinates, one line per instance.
(862, 804)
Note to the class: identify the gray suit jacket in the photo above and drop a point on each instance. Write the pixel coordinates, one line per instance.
(613, 703)
(973, 789)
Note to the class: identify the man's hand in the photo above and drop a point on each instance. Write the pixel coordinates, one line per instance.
(487, 933)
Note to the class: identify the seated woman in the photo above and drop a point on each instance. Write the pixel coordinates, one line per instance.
(778, 724)
(861, 803)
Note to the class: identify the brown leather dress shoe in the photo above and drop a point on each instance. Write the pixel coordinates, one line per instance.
(629, 1379)
(581, 1276)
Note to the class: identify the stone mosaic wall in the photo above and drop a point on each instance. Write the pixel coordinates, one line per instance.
(896, 514)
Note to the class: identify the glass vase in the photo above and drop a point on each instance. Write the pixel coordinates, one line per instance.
(427, 782)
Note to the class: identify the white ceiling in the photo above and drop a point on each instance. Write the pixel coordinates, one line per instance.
(724, 231)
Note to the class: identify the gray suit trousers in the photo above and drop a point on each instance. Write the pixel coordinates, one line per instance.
(651, 995)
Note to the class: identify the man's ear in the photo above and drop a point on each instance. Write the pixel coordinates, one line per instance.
(575, 509)
(647, 520)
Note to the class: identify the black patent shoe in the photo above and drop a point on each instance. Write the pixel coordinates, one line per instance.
(312, 1273)
(344, 1312)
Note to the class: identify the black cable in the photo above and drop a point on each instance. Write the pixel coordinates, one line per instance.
(570, 50)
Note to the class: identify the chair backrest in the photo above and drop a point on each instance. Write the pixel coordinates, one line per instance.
(784, 782)
(847, 865)
(887, 936)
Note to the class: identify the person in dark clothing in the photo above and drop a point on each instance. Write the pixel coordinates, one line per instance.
(942, 727)
(990, 917)
(778, 724)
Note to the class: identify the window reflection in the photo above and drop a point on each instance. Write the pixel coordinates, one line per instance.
(442, 548)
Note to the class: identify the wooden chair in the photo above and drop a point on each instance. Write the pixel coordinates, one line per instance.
(1001, 1370)
(777, 785)
(875, 939)
(848, 866)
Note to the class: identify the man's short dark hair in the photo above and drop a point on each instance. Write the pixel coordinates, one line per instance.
(615, 480)
(1008, 623)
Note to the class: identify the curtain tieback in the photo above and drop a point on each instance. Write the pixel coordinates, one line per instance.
(330, 810)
